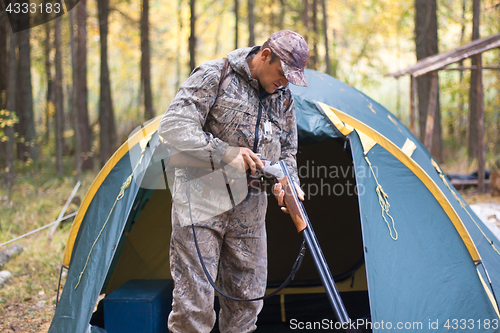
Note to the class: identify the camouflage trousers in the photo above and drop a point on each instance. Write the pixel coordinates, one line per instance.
(234, 249)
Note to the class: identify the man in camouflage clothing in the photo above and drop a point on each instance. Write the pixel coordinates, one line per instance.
(229, 122)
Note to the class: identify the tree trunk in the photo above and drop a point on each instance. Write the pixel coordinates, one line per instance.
(73, 98)
(498, 118)
(59, 99)
(461, 133)
(305, 19)
(251, 23)
(218, 30)
(107, 132)
(192, 37)
(3, 80)
(81, 87)
(473, 98)
(27, 147)
(426, 45)
(146, 62)
(49, 108)
(179, 46)
(476, 104)
(281, 22)
(11, 107)
(236, 22)
(325, 34)
(315, 34)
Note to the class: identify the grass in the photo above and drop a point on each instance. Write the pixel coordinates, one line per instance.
(35, 199)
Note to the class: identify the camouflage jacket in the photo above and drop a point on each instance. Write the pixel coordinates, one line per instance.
(203, 124)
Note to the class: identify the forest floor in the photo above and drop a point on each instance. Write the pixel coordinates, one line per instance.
(27, 300)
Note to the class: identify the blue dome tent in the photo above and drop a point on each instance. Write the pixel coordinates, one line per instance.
(401, 242)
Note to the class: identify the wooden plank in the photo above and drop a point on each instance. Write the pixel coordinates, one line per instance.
(461, 68)
(461, 185)
(440, 60)
(431, 110)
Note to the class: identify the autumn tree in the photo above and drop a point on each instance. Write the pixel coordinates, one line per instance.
(426, 41)
(314, 59)
(10, 102)
(49, 107)
(3, 77)
(7, 101)
(251, 23)
(146, 62)
(236, 22)
(107, 132)
(59, 98)
(281, 15)
(192, 36)
(178, 64)
(73, 98)
(81, 86)
(474, 81)
(27, 145)
(476, 103)
(325, 37)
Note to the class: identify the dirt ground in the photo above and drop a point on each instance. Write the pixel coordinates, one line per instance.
(27, 301)
(26, 317)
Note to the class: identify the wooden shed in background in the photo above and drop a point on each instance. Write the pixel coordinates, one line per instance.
(442, 61)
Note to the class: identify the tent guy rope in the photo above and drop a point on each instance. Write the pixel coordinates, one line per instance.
(41, 228)
(124, 186)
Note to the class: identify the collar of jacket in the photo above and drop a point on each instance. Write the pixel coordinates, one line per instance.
(238, 62)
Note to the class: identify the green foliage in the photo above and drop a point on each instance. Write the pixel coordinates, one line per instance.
(7, 119)
(367, 39)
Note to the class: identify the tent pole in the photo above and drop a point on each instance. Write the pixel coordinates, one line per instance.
(59, 284)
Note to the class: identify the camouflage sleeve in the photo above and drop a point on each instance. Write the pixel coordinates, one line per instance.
(182, 124)
(289, 139)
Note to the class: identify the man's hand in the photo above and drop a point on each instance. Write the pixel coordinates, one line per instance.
(279, 193)
(242, 159)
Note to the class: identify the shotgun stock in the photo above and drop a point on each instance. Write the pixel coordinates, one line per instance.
(293, 204)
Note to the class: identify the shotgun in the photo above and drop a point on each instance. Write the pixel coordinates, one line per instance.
(279, 171)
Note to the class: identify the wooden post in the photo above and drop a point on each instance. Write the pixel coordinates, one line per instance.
(480, 126)
(413, 89)
(431, 110)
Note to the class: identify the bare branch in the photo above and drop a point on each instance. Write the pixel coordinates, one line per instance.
(128, 18)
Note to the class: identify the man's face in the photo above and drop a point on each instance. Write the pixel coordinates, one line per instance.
(271, 76)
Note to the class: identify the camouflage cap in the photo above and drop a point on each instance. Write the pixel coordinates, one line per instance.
(293, 52)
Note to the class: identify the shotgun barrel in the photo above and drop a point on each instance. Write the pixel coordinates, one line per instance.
(303, 225)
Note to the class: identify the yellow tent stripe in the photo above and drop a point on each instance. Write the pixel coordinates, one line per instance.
(120, 152)
(337, 122)
(417, 170)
